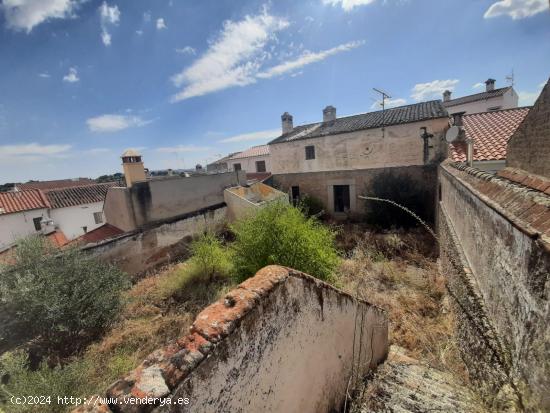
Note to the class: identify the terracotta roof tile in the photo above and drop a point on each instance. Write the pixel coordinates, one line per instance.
(490, 132)
(66, 197)
(11, 202)
(99, 234)
(260, 150)
(57, 184)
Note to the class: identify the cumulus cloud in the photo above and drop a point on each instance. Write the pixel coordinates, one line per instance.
(516, 9)
(388, 103)
(33, 150)
(115, 123)
(186, 50)
(348, 5)
(529, 98)
(182, 149)
(161, 24)
(478, 85)
(26, 14)
(44, 75)
(306, 59)
(253, 136)
(72, 76)
(241, 55)
(423, 91)
(109, 16)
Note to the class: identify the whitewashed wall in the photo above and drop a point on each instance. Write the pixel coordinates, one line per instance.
(70, 220)
(249, 164)
(18, 225)
(507, 101)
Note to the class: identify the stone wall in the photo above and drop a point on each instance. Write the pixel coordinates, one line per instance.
(137, 251)
(529, 146)
(282, 341)
(495, 252)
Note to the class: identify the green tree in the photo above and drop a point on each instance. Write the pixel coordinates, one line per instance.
(60, 299)
(282, 234)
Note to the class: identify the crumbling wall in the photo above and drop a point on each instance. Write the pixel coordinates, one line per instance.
(495, 253)
(282, 341)
(137, 251)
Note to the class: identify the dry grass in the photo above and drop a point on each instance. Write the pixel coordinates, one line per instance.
(398, 272)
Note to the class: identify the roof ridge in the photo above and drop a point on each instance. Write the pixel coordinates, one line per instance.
(497, 111)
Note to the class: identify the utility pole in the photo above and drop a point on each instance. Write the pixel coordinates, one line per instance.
(383, 104)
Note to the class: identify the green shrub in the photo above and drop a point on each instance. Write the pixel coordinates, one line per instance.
(210, 258)
(311, 206)
(281, 234)
(61, 300)
(18, 381)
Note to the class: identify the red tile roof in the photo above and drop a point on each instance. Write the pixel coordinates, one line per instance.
(19, 201)
(61, 198)
(490, 132)
(257, 176)
(57, 184)
(260, 150)
(57, 238)
(99, 234)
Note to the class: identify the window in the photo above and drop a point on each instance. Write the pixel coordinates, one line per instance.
(341, 198)
(295, 194)
(98, 217)
(37, 223)
(237, 167)
(493, 108)
(260, 166)
(310, 152)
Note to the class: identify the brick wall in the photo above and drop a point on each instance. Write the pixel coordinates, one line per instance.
(529, 146)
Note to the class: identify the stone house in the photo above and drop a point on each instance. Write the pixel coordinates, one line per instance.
(337, 159)
(490, 100)
(252, 160)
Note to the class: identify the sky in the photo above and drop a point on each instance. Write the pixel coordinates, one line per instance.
(187, 82)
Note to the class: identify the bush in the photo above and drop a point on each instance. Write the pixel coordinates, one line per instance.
(210, 258)
(281, 234)
(60, 299)
(311, 206)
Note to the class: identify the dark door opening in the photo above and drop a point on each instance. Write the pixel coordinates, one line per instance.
(341, 198)
(295, 195)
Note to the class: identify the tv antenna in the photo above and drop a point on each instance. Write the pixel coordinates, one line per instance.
(510, 78)
(383, 104)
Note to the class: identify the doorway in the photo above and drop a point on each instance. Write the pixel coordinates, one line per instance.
(341, 198)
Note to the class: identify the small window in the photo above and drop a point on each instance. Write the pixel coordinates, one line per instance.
(260, 166)
(98, 217)
(310, 152)
(295, 194)
(37, 223)
(237, 167)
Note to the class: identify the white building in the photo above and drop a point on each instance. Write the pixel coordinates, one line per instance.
(490, 100)
(251, 160)
(21, 214)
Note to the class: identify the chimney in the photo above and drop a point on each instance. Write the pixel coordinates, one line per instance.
(457, 118)
(446, 96)
(133, 167)
(329, 113)
(470, 152)
(286, 119)
(490, 85)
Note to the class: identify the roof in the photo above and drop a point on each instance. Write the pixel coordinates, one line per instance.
(88, 194)
(257, 176)
(395, 116)
(99, 234)
(60, 183)
(19, 201)
(57, 238)
(478, 96)
(130, 152)
(260, 150)
(490, 132)
(224, 159)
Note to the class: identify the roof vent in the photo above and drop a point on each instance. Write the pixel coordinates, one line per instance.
(446, 96)
(329, 114)
(490, 85)
(287, 125)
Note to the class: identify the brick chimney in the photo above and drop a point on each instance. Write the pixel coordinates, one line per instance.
(329, 113)
(490, 85)
(446, 96)
(286, 119)
(457, 118)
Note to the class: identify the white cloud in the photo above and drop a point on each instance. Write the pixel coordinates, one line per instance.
(98, 151)
(186, 50)
(183, 149)
(115, 123)
(161, 24)
(306, 59)
(139, 32)
(478, 85)
(516, 9)
(231, 60)
(33, 150)
(253, 136)
(389, 103)
(26, 14)
(423, 91)
(528, 98)
(348, 5)
(44, 75)
(72, 76)
(147, 16)
(109, 16)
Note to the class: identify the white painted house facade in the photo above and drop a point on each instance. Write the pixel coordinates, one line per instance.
(490, 100)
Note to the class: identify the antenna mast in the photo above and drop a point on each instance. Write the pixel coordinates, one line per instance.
(383, 104)
(510, 78)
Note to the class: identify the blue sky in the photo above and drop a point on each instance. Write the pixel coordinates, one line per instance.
(188, 81)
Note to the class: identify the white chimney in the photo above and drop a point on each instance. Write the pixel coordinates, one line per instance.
(446, 96)
(329, 113)
(286, 119)
(490, 85)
